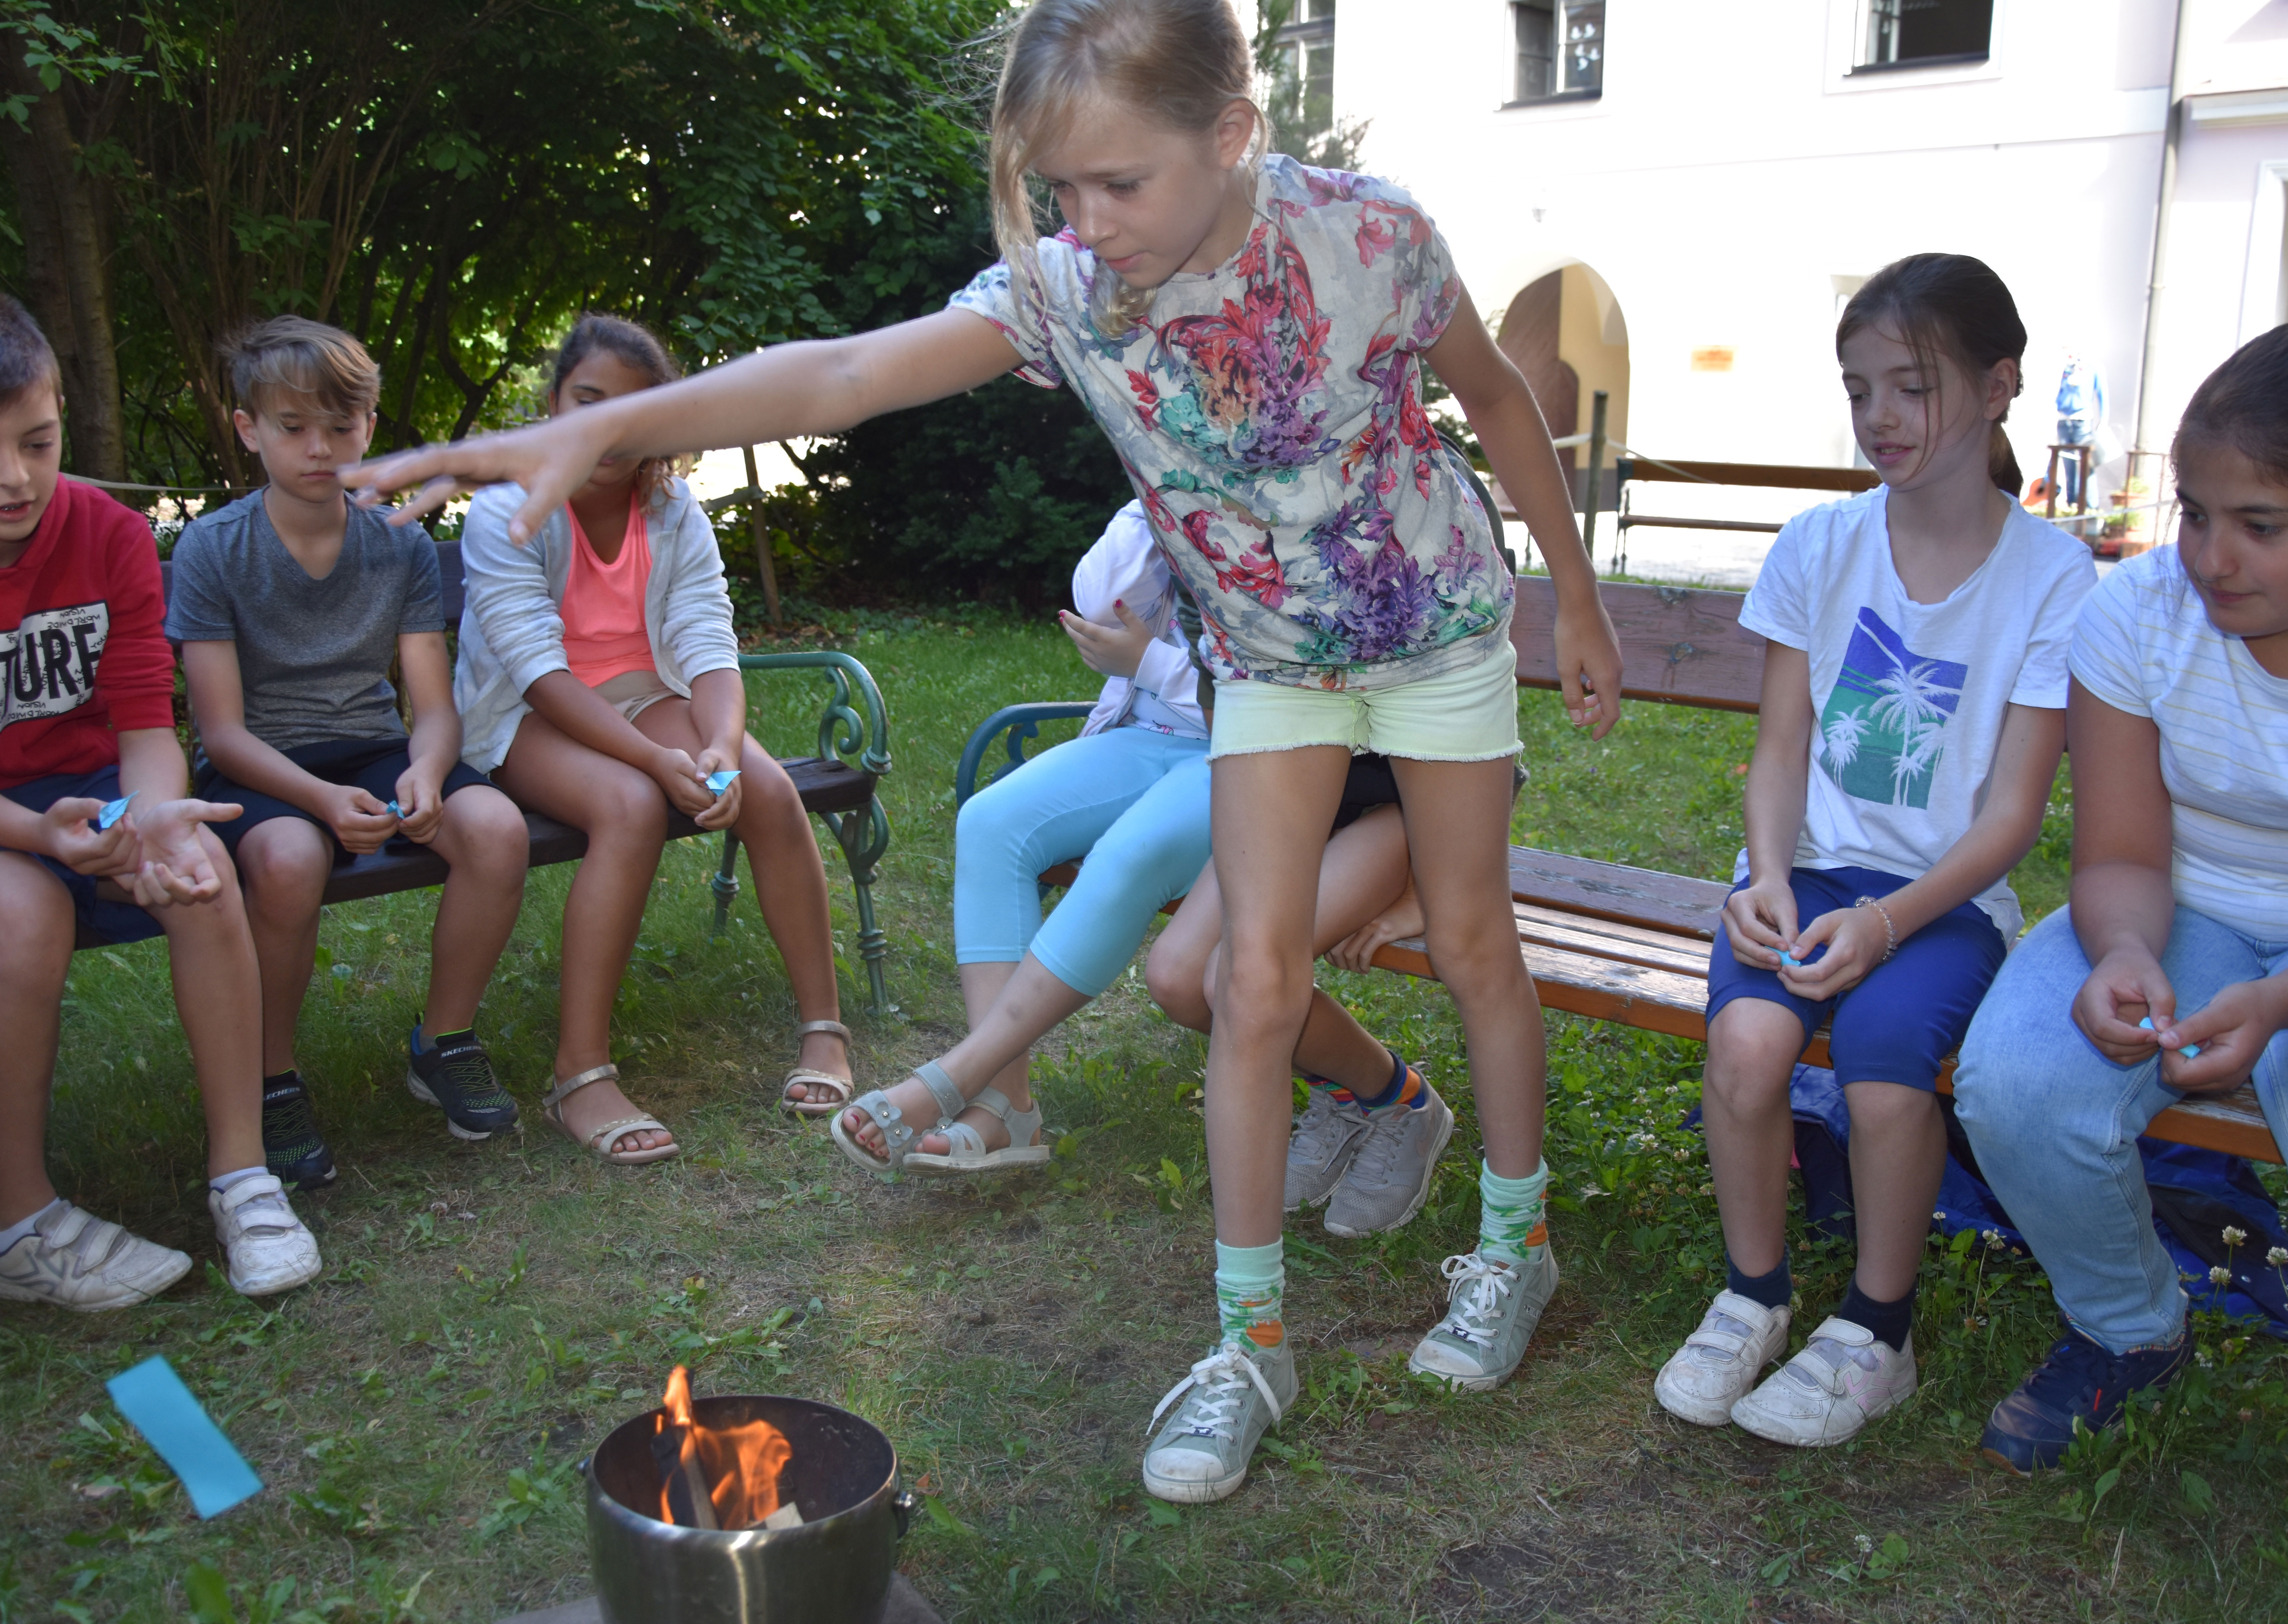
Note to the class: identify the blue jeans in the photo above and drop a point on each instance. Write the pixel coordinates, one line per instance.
(2072, 431)
(2055, 1124)
(1134, 803)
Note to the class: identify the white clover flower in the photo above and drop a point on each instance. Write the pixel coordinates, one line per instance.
(2234, 1237)
(2220, 1276)
(2277, 1256)
(1992, 1237)
(1865, 1544)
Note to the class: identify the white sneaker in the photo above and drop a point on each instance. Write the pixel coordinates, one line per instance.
(73, 1259)
(1229, 1399)
(1842, 1380)
(1492, 1308)
(266, 1247)
(1721, 1361)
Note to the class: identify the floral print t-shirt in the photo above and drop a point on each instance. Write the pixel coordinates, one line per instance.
(1269, 413)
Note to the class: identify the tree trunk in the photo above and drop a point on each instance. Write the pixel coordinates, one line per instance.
(67, 274)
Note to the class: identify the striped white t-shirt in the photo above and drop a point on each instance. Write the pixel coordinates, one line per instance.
(2144, 645)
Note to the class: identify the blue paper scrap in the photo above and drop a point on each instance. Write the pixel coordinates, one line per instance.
(397, 811)
(2191, 1051)
(153, 1397)
(114, 810)
(720, 781)
(1790, 961)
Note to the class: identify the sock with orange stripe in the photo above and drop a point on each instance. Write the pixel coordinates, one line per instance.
(1250, 1282)
(1511, 1217)
(1403, 1088)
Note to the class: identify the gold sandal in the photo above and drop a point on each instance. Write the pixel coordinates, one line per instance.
(812, 1078)
(551, 1107)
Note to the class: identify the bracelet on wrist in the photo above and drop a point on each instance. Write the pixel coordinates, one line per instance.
(1890, 930)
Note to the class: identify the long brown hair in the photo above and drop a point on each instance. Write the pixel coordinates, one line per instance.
(1951, 306)
(639, 348)
(1179, 62)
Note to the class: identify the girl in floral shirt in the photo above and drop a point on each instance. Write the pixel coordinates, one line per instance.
(1249, 332)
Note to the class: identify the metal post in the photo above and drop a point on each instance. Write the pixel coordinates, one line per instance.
(763, 565)
(1596, 477)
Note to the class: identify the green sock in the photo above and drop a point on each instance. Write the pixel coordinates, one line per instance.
(1511, 1227)
(1250, 1281)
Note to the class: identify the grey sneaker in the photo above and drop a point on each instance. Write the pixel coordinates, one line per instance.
(1326, 1137)
(1389, 1178)
(73, 1259)
(1229, 1400)
(1491, 1310)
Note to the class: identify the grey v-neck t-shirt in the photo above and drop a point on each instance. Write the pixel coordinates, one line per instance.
(313, 655)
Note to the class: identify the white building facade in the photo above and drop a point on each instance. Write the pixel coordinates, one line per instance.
(1669, 199)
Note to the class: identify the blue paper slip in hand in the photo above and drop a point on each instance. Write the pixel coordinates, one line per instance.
(720, 781)
(154, 1397)
(2191, 1051)
(397, 811)
(114, 810)
(1792, 962)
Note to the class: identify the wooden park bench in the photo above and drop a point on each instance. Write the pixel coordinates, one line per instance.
(1631, 945)
(838, 784)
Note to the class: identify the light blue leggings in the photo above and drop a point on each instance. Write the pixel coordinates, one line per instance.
(1134, 803)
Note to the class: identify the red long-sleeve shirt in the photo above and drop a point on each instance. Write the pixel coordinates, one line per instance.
(82, 652)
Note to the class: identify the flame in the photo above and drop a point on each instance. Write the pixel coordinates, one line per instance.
(741, 1465)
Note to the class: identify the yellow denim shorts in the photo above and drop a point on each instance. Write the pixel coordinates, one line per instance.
(1469, 714)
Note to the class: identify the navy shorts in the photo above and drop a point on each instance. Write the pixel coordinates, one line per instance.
(1911, 1013)
(373, 765)
(113, 922)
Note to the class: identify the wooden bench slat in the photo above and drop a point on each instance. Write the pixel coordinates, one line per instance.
(1643, 896)
(1679, 645)
(1622, 944)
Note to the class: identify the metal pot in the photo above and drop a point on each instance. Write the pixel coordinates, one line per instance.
(833, 1569)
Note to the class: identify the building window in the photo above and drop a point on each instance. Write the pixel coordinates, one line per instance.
(1561, 48)
(1302, 59)
(1923, 33)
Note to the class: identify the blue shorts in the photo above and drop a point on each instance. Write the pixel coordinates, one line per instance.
(373, 765)
(1900, 1023)
(99, 916)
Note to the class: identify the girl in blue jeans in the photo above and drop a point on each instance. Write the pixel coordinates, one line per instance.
(2164, 976)
(1913, 709)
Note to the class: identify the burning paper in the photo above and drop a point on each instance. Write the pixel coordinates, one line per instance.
(725, 1478)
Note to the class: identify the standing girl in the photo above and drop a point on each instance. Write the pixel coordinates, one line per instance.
(1913, 713)
(599, 682)
(1249, 332)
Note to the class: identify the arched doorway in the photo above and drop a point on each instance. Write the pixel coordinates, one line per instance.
(1565, 332)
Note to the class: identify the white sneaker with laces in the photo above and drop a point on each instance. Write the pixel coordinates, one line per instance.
(1827, 1394)
(264, 1243)
(1491, 1310)
(1229, 1399)
(73, 1259)
(1721, 1361)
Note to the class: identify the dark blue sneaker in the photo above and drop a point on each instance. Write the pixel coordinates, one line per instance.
(292, 1148)
(2079, 1381)
(456, 1075)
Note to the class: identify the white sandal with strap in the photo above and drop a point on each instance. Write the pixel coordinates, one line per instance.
(898, 1135)
(968, 1153)
(551, 1107)
(812, 1080)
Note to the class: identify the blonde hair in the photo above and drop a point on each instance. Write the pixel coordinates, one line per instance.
(299, 356)
(1179, 62)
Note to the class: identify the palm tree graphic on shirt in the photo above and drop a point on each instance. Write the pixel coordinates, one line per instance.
(1883, 730)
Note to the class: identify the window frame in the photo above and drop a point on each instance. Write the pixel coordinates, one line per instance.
(1952, 58)
(1557, 9)
(1299, 38)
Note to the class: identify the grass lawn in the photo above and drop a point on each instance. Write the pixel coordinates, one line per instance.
(492, 1309)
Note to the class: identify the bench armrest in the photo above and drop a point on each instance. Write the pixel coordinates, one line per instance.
(1021, 723)
(842, 731)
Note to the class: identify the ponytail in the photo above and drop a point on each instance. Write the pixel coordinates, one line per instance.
(2002, 464)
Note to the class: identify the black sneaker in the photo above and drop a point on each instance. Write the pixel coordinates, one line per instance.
(292, 1148)
(456, 1075)
(2079, 1381)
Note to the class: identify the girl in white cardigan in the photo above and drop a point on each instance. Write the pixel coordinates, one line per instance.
(599, 683)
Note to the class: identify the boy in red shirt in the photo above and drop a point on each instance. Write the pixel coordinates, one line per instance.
(86, 722)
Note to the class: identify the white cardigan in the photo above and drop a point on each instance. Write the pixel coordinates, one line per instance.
(513, 632)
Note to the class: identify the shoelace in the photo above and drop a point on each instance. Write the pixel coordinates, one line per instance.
(466, 1067)
(2071, 1375)
(1219, 1386)
(1321, 1119)
(1384, 1130)
(288, 1119)
(1478, 1285)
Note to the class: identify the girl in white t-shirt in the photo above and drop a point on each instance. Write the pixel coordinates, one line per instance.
(1913, 712)
(2169, 974)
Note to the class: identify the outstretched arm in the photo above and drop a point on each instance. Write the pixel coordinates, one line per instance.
(789, 391)
(1508, 424)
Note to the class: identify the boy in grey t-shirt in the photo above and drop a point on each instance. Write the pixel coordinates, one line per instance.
(290, 604)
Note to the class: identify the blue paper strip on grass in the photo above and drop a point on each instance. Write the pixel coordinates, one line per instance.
(154, 1397)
